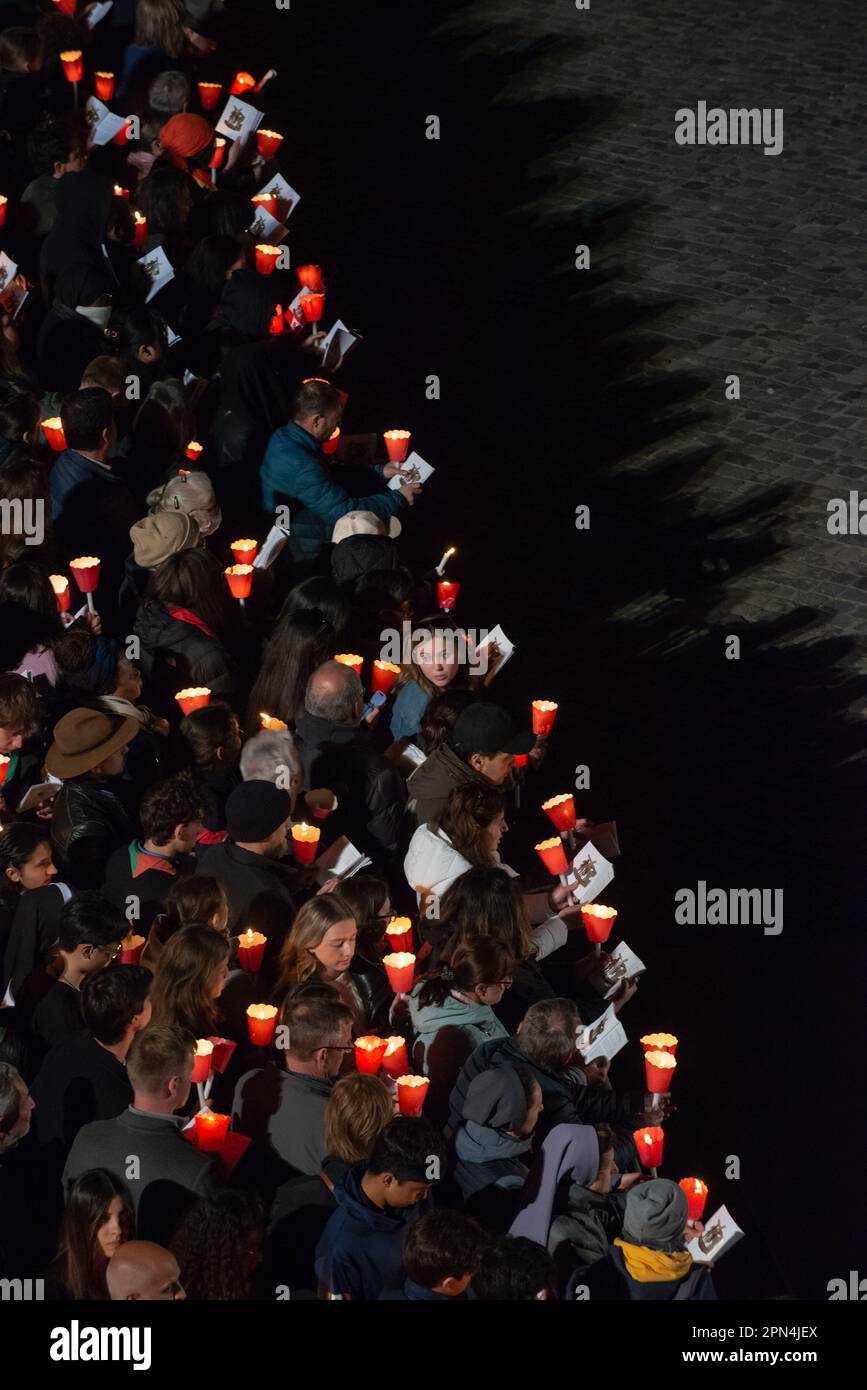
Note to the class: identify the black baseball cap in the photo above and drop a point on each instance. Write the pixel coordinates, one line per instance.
(489, 729)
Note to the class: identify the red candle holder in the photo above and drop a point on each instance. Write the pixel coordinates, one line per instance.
(251, 949)
(209, 93)
(277, 325)
(219, 154)
(193, 452)
(104, 83)
(385, 673)
(351, 659)
(305, 842)
(211, 1131)
(544, 714)
(140, 225)
(202, 1060)
(331, 443)
(520, 760)
(60, 585)
(411, 1091)
(4, 767)
(66, 7)
(244, 551)
(561, 810)
(194, 697)
(598, 921)
(400, 968)
(659, 1042)
(244, 82)
(399, 934)
(369, 1053)
(447, 594)
(4, 203)
(130, 949)
(120, 192)
(322, 802)
(73, 65)
(696, 1196)
(268, 142)
(266, 258)
(310, 277)
(122, 135)
(266, 201)
(397, 444)
(553, 856)
(86, 573)
(240, 578)
(659, 1069)
(53, 431)
(261, 1022)
(649, 1143)
(395, 1061)
(222, 1053)
(311, 306)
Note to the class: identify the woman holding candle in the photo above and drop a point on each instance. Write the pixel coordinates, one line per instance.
(184, 618)
(299, 644)
(651, 1259)
(436, 663)
(98, 1218)
(211, 748)
(321, 945)
(190, 974)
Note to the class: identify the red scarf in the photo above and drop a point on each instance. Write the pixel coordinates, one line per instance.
(184, 615)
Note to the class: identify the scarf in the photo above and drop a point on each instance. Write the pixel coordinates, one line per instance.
(184, 615)
(141, 859)
(654, 1266)
(185, 135)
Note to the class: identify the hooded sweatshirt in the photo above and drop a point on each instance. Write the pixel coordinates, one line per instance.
(488, 1158)
(360, 1252)
(463, 1026)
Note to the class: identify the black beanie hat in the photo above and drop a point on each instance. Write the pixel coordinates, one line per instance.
(255, 809)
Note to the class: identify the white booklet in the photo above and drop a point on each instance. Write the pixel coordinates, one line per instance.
(623, 964)
(720, 1233)
(340, 860)
(414, 754)
(293, 313)
(287, 198)
(8, 271)
(604, 1038)
(414, 470)
(274, 543)
(492, 653)
(158, 268)
(98, 13)
(265, 229)
(239, 119)
(103, 124)
(340, 337)
(590, 873)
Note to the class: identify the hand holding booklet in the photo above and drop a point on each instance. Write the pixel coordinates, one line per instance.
(414, 469)
(340, 860)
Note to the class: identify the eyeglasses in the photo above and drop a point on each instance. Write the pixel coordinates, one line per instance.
(111, 951)
(348, 1048)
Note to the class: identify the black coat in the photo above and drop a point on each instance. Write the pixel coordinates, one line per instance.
(369, 789)
(78, 1082)
(263, 893)
(299, 1215)
(89, 824)
(34, 932)
(177, 654)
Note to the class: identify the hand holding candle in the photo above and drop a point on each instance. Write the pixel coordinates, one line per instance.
(696, 1196)
(400, 968)
(544, 714)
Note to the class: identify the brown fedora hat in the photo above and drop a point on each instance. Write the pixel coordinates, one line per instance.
(85, 737)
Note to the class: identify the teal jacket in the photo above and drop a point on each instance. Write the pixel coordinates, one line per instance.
(294, 471)
(466, 1026)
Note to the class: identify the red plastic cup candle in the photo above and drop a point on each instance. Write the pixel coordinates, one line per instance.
(211, 1131)
(202, 1059)
(659, 1042)
(4, 767)
(122, 135)
(268, 721)
(400, 968)
(120, 192)
(447, 593)
(209, 93)
(251, 949)
(305, 842)
(244, 82)
(411, 1091)
(268, 142)
(330, 445)
(649, 1144)
(66, 6)
(311, 306)
(219, 153)
(53, 431)
(553, 855)
(104, 85)
(395, 1060)
(193, 450)
(659, 1068)
(321, 801)
(351, 659)
(140, 224)
(194, 697)
(399, 934)
(130, 949)
(266, 258)
(696, 1196)
(73, 65)
(266, 201)
(244, 551)
(598, 921)
(86, 572)
(397, 444)
(369, 1053)
(4, 202)
(561, 810)
(261, 1022)
(385, 673)
(240, 579)
(310, 277)
(520, 760)
(544, 714)
(60, 585)
(277, 324)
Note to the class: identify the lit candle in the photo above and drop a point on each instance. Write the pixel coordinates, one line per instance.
(211, 1131)
(311, 307)
(330, 445)
(400, 968)
(544, 714)
(598, 921)
(53, 431)
(193, 450)
(351, 659)
(310, 277)
(240, 579)
(561, 810)
(141, 229)
(202, 1060)
(696, 1196)
(60, 585)
(447, 593)
(659, 1042)
(86, 572)
(251, 949)
(73, 65)
(244, 82)
(104, 85)
(397, 444)
(266, 258)
(385, 673)
(553, 855)
(305, 842)
(219, 153)
(411, 1091)
(649, 1144)
(261, 1021)
(268, 721)
(659, 1068)
(194, 697)
(395, 1060)
(369, 1053)
(244, 551)
(399, 933)
(4, 201)
(268, 142)
(447, 556)
(121, 192)
(4, 767)
(277, 324)
(267, 201)
(130, 949)
(209, 93)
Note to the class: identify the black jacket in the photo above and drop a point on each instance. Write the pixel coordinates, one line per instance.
(35, 927)
(88, 825)
(57, 1016)
(299, 1215)
(369, 789)
(263, 893)
(77, 1083)
(177, 654)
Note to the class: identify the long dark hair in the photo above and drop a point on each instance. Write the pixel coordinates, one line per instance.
(79, 1263)
(28, 585)
(194, 579)
(181, 994)
(486, 902)
(211, 1243)
(480, 961)
(299, 643)
(322, 596)
(469, 811)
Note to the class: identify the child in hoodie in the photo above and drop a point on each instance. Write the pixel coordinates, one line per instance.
(500, 1112)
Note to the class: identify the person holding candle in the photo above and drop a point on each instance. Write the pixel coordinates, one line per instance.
(171, 816)
(88, 753)
(184, 619)
(452, 1011)
(492, 1144)
(651, 1260)
(260, 883)
(190, 975)
(321, 944)
(172, 1173)
(588, 1215)
(360, 1252)
(435, 665)
(482, 750)
(89, 938)
(98, 1219)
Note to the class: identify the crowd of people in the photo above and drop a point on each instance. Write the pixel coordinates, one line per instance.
(156, 876)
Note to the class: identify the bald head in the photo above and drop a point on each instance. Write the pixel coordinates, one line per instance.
(141, 1270)
(334, 692)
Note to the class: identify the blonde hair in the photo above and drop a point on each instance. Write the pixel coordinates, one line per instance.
(358, 1110)
(297, 962)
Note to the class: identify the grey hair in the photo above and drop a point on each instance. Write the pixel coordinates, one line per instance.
(169, 93)
(337, 704)
(8, 1091)
(266, 753)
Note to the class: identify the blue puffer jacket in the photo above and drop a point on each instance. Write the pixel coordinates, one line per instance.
(294, 470)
